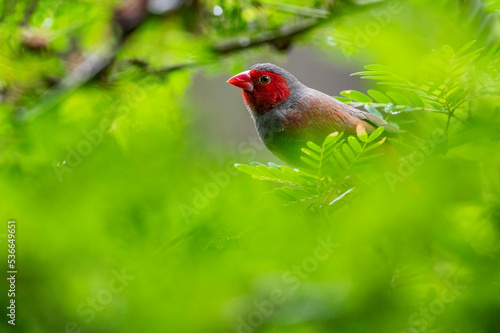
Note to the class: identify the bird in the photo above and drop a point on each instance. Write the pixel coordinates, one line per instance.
(287, 114)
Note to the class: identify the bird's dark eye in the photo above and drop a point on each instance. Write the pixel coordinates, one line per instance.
(264, 79)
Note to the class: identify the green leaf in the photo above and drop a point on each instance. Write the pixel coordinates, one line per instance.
(290, 173)
(307, 177)
(375, 145)
(265, 171)
(332, 138)
(398, 98)
(272, 165)
(375, 134)
(357, 96)
(312, 154)
(342, 99)
(461, 63)
(361, 132)
(375, 77)
(278, 174)
(314, 147)
(248, 169)
(294, 194)
(373, 110)
(312, 163)
(254, 164)
(370, 73)
(334, 165)
(379, 96)
(348, 152)
(448, 50)
(330, 149)
(465, 47)
(415, 98)
(281, 193)
(376, 67)
(394, 124)
(354, 143)
(341, 160)
(371, 157)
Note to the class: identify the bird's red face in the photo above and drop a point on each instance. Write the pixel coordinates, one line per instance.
(262, 91)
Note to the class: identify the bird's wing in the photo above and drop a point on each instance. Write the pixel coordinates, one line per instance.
(372, 119)
(317, 115)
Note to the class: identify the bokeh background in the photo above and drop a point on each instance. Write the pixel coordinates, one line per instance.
(118, 142)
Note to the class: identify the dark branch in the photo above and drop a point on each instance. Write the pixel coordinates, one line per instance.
(277, 40)
(281, 40)
(273, 39)
(30, 10)
(126, 20)
(129, 18)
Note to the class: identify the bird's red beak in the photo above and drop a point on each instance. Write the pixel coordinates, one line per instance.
(242, 80)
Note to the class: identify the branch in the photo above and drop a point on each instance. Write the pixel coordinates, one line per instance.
(129, 18)
(126, 20)
(281, 40)
(30, 10)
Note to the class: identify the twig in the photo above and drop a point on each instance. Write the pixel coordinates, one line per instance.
(274, 39)
(447, 123)
(280, 40)
(128, 20)
(30, 10)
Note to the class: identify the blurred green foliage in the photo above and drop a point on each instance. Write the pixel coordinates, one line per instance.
(131, 220)
(327, 174)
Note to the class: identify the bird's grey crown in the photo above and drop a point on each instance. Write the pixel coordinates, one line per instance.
(267, 67)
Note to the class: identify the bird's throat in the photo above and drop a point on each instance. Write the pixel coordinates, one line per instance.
(264, 101)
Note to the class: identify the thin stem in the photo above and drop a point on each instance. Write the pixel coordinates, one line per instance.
(448, 123)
